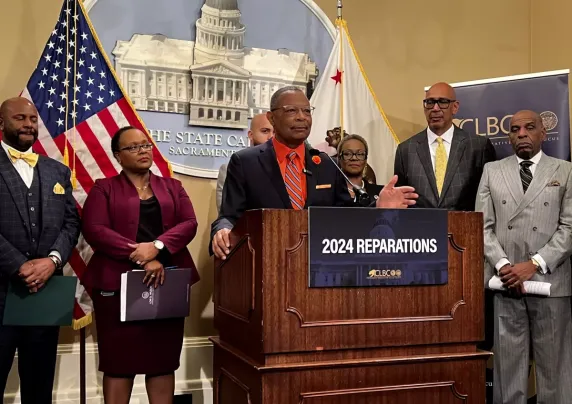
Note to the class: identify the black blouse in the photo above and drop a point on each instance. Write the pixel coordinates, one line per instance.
(151, 226)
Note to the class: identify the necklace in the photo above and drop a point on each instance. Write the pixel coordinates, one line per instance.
(143, 188)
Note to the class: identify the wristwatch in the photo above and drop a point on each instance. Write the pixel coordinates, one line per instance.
(537, 265)
(158, 245)
(56, 261)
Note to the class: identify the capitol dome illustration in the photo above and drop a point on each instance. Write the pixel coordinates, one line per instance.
(223, 4)
(215, 79)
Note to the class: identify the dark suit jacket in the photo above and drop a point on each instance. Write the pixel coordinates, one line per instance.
(468, 156)
(254, 181)
(59, 215)
(111, 221)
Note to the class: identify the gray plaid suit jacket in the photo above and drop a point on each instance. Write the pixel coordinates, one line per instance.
(60, 225)
(519, 225)
(468, 156)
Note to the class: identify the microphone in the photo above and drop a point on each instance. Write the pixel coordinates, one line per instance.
(362, 197)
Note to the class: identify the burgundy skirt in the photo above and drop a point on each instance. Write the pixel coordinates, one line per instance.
(136, 347)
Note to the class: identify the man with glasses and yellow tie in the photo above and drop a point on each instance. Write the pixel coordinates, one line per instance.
(39, 227)
(443, 163)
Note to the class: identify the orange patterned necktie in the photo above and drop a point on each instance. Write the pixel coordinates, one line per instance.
(293, 183)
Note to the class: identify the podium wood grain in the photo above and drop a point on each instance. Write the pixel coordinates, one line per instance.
(282, 342)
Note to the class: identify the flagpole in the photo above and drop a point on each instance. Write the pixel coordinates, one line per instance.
(339, 22)
(82, 391)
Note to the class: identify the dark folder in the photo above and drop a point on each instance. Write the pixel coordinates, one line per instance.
(142, 302)
(51, 305)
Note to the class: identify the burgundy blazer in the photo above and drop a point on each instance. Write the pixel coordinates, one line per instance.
(111, 220)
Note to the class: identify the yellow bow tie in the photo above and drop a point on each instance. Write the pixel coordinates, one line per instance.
(30, 158)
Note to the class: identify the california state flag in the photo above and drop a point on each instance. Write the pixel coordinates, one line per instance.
(344, 98)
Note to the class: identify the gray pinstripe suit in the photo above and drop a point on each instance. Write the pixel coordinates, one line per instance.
(517, 226)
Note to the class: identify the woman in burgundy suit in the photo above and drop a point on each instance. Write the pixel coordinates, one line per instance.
(136, 220)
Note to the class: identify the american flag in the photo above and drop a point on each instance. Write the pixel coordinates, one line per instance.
(81, 105)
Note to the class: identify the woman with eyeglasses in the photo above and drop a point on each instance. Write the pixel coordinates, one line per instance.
(352, 154)
(136, 220)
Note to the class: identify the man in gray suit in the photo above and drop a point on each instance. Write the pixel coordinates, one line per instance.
(443, 163)
(261, 131)
(526, 200)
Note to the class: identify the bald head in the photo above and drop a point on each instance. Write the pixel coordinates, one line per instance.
(260, 130)
(527, 114)
(19, 123)
(527, 133)
(15, 103)
(442, 90)
(440, 106)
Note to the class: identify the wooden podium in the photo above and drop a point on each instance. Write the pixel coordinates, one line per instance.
(281, 342)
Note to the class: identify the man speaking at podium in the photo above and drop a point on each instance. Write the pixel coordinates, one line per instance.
(282, 174)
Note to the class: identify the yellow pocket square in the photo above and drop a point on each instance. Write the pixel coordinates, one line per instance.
(323, 186)
(58, 189)
(554, 184)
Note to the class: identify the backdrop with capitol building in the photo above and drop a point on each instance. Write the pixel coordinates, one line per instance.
(384, 81)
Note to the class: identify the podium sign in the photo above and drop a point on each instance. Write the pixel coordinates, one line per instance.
(365, 247)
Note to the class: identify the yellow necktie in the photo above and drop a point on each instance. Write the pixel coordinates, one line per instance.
(440, 164)
(30, 158)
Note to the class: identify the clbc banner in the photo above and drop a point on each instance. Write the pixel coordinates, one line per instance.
(486, 107)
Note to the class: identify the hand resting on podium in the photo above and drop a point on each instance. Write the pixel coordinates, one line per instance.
(390, 197)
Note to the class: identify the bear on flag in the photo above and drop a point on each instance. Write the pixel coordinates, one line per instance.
(345, 101)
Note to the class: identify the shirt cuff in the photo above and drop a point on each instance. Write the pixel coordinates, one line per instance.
(58, 256)
(542, 263)
(502, 262)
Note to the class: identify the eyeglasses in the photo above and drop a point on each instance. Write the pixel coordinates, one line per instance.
(292, 110)
(347, 155)
(137, 148)
(444, 103)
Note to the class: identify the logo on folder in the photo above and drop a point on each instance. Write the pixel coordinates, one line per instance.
(149, 295)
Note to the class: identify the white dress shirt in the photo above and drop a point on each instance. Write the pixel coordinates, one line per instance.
(503, 261)
(27, 174)
(447, 140)
(535, 160)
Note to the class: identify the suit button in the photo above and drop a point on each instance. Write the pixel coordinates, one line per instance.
(33, 224)
(530, 254)
(33, 240)
(30, 194)
(546, 203)
(510, 227)
(534, 229)
(504, 202)
(32, 208)
(27, 254)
